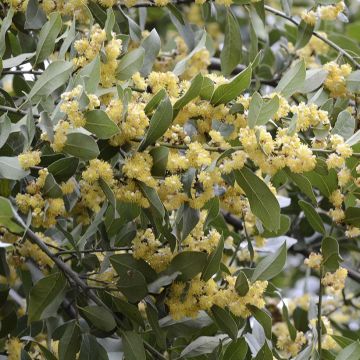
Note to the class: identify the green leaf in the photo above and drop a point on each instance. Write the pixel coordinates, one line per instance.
(351, 352)
(345, 125)
(263, 202)
(330, 253)
(224, 321)
(17, 60)
(109, 23)
(305, 32)
(342, 340)
(34, 15)
(130, 63)
(284, 228)
(154, 102)
(354, 139)
(189, 263)
(260, 111)
(46, 296)
(159, 123)
(263, 318)
(5, 129)
(325, 183)
(54, 76)
(180, 67)
(89, 76)
(312, 217)
(7, 217)
(207, 89)
(213, 210)
(292, 81)
(155, 203)
(227, 92)
(47, 37)
(64, 169)
(271, 265)
(153, 318)
(133, 346)
(242, 284)
(160, 158)
(6, 23)
(152, 45)
(100, 317)
(313, 80)
(91, 349)
(353, 81)
(129, 310)
(81, 146)
(236, 350)
(51, 189)
(69, 343)
(131, 282)
(213, 261)
(99, 123)
(303, 184)
(264, 353)
(191, 93)
(190, 217)
(352, 215)
(231, 52)
(10, 168)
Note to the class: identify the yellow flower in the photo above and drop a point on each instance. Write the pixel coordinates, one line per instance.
(29, 159)
(309, 17)
(336, 280)
(13, 348)
(314, 261)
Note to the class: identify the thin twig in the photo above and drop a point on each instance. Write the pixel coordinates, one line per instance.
(75, 278)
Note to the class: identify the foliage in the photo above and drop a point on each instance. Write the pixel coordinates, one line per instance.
(179, 180)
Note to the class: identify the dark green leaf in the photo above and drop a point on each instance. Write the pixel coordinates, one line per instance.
(47, 37)
(189, 263)
(51, 188)
(237, 350)
(69, 343)
(330, 253)
(46, 296)
(100, 317)
(130, 63)
(260, 111)
(227, 92)
(292, 81)
(7, 217)
(224, 321)
(133, 346)
(81, 146)
(263, 318)
(213, 261)
(242, 284)
(231, 53)
(63, 169)
(312, 216)
(263, 202)
(159, 123)
(191, 93)
(99, 123)
(271, 265)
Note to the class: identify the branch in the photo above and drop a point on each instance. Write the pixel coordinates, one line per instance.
(16, 111)
(284, 16)
(20, 72)
(75, 278)
(316, 34)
